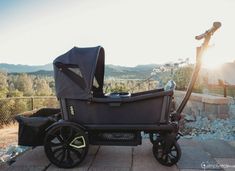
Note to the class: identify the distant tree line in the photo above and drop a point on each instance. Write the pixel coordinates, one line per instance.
(23, 85)
(157, 79)
(19, 85)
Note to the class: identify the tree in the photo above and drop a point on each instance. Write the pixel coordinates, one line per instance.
(3, 84)
(14, 93)
(42, 88)
(52, 86)
(25, 84)
(182, 77)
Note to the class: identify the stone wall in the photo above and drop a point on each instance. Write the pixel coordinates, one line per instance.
(206, 105)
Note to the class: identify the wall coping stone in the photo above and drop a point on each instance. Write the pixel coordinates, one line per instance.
(206, 98)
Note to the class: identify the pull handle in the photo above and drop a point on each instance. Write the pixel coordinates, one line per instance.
(216, 26)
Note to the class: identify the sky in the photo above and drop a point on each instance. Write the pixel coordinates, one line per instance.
(132, 32)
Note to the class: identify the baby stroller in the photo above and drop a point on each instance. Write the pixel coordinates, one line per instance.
(88, 116)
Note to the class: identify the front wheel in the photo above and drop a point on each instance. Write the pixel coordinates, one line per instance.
(66, 145)
(167, 158)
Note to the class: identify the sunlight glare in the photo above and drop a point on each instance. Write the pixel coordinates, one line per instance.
(211, 60)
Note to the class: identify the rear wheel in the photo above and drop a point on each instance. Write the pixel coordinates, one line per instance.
(66, 145)
(167, 158)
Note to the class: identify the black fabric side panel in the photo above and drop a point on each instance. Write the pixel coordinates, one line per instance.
(46, 112)
(32, 130)
(99, 73)
(75, 78)
(143, 96)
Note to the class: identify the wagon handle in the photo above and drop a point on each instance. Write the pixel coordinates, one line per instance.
(216, 26)
(200, 50)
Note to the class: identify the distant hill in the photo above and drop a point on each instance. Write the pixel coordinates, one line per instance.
(24, 68)
(137, 72)
(36, 73)
(225, 72)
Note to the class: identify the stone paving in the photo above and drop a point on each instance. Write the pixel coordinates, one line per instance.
(196, 155)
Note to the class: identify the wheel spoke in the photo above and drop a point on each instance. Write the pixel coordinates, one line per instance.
(58, 155)
(172, 156)
(62, 133)
(78, 153)
(55, 144)
(70, 135)
(63, 155)
(164, 157)
(69, 158)
(169, 159)
(172, 159)
(159, 155)
(59, 138)
(57, 150)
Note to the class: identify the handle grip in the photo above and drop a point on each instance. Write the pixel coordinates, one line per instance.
(216, 25)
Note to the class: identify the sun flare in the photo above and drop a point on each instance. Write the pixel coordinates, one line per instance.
(212, 61)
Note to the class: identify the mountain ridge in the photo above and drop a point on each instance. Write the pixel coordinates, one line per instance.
(139, 71)
(20, 68)
(123, 72)
(49, 67)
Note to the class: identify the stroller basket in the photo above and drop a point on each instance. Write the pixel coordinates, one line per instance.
(32, 128)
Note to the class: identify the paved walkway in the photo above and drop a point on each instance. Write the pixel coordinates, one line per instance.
(210, 154)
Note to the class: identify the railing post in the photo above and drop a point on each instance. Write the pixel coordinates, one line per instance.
(225, 90)
(32, 103)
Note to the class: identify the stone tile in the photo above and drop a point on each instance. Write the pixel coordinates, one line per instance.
(84, 166)
(228, 164)
(4, 166)
(232, 143)
(35, 157)
(54, 168)
(108, 168)
(117, 157)
(25, 168)
(143, 159)
(188, 142)
(218, 148)
(210, 99)
(194, 157)
(197, 170)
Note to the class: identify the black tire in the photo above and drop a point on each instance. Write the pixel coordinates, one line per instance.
(66, 145)
(170, 158)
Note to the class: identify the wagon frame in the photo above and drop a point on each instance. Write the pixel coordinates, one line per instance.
(88, 116)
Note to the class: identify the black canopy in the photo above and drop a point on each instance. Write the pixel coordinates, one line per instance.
(79, 73)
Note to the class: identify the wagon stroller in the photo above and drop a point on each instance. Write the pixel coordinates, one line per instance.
(91, 117)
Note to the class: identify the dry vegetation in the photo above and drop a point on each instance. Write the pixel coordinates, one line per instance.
(8, 135)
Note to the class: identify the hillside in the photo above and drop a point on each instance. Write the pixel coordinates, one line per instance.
(24, 68)
(137, 72)
(114, 71)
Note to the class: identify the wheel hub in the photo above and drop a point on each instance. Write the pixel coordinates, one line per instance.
(78, 142)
